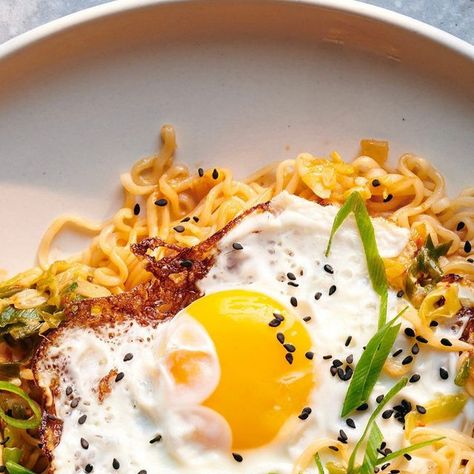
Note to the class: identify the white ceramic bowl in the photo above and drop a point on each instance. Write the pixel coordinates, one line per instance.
(244, 82)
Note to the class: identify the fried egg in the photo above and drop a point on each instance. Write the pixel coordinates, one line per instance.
(244, 378)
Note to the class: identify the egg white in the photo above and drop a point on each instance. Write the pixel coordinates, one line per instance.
(290, 238)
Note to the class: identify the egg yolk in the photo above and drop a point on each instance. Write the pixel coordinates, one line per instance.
(262, 382)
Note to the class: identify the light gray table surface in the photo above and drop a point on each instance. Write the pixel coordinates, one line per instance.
(453, 16)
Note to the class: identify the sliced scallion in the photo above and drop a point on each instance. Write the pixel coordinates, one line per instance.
(370, 365)
(32, 422)
(390, 394)
(355, 204)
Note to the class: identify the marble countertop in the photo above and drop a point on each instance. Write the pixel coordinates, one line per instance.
(453, 16)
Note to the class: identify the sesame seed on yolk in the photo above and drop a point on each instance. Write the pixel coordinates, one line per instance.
(251, 356)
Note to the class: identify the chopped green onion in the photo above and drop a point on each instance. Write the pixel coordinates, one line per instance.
(14, 468)
(375, 264)
(11, 454)
(373, 443)
(370, 365)
(32, 422)
(463, 372)
(390, 394)
(335, 468)
(408, 449)
(319, 465)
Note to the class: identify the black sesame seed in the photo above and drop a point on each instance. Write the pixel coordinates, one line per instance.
(328, 269)
(446, 342)
(441, 302)
(200, 172)
(443, 373)
(395, 471)
(467, 246)
(291, 276)
(383, 444)
(186, 263)
(349, 373)
(363, 407)
(379, 398)
(186, 219)
(470, 260)
(384, 466)
(333, 370)
(195, 218)
(337, 363)
(289, 347)
(294, 302)
(136, 209)
(332, 290)
(278, 316)
(293, 284)
(348, 341)
(397, 352)
(333, 448)
(237, 457)
(327, 357)
(115, 464)
(274, 323)
(340, 373)
(82, 419)
(318, 295)
(420, 409)
(433, 324)
(342, 435)
(128, 357)
(350, 423)
(350, 359)
(237, 246)
(407, 360)
(89, 468)
(406, 405)
(289, 358)
(84, 443)
(421, 339)
(407, 457)
(280, 337)
(179, 228)
(75, 403)
(414, 378)
(309, 355)
(460, 226)
(387, 414)
(119, 376)
(375, 183)
(68, 391)
(143, 471)
(400, 293)
(161, 202)
(415, 349)
(409, 332)
(156, 439)
(215, 174)
(388, 198)
(307, 318)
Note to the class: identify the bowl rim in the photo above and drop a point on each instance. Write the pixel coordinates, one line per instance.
(389, 18)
